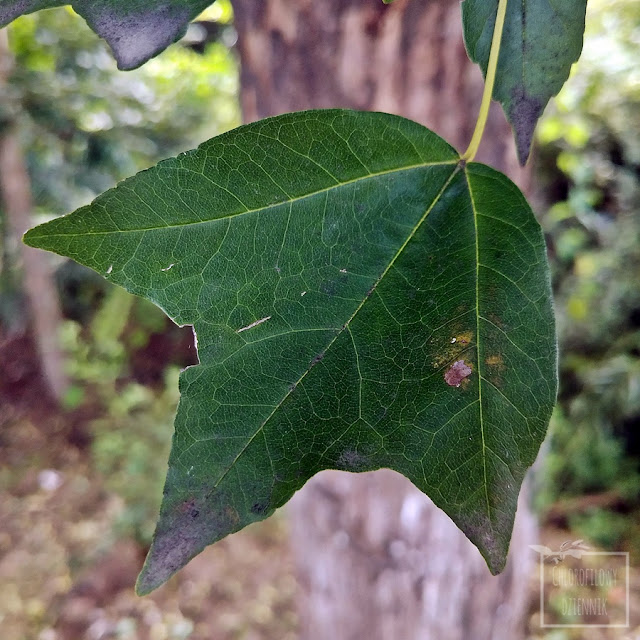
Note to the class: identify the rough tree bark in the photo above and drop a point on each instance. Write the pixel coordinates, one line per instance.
(376, 559)
(38, 284)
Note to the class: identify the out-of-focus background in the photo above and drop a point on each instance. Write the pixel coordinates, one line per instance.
(85, 434)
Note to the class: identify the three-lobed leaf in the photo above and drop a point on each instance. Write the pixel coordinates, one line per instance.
(361, 299)
(136, 30)
(540, 42)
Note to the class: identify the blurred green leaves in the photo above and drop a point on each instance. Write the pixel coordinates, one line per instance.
(86, 126)
(127, 444)
(131, 428)
(588, 160)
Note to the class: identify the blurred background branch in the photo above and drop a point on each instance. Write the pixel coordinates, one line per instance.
(38, 285)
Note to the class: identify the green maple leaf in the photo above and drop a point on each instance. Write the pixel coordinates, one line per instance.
(361, 299)
(540, 42)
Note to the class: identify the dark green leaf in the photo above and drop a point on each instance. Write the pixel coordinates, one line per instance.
(136, 30)
(361, 300)
(540, 42)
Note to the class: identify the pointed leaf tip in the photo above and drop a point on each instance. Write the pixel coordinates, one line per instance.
(136, 30)
(187, 525)
(524, 115)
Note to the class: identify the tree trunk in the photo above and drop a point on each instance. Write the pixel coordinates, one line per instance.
(38, 284)
(376, 558)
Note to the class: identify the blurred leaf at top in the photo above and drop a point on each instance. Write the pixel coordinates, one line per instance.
(541, 41)
(84, 125)
(136, 30)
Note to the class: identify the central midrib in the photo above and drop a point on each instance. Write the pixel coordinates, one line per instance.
(481, 415)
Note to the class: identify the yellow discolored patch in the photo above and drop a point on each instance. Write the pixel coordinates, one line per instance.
(464, 338)
(495, 361)
(231, 514)
(453, 348)
(495, 368)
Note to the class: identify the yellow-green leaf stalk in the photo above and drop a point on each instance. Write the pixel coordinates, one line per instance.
(471, 151)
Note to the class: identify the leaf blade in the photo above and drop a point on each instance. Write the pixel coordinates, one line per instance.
(328, 322)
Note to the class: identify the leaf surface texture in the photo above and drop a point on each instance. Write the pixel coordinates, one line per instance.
(361, 300)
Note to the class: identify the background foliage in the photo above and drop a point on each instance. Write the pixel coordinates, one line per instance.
(84, 125)
(589, 177)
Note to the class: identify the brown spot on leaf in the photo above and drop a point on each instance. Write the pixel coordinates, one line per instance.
(496, 320)
(232, 515)
(259, 508)
(495, 361)
(187, 506)
(457, 372)
(351, 460)
(464, 338)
